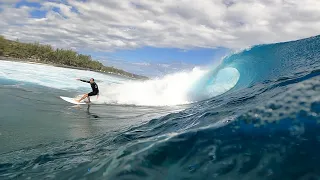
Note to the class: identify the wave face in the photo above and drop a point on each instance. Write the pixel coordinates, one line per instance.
(262, 123)
(277, 61)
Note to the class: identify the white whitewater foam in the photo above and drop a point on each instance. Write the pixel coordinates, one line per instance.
(50, 76)
(170, 90)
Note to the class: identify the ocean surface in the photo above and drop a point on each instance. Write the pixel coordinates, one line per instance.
(254, 115)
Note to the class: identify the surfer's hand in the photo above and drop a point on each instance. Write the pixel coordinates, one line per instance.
(78, 79)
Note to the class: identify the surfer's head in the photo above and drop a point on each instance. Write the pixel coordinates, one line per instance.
(91, 80)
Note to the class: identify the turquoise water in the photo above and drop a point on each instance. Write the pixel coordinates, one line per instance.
(256, 116)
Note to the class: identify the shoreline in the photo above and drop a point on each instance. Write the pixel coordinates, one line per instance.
(39, 62)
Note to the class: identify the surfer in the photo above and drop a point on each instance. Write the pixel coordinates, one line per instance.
(94, 87)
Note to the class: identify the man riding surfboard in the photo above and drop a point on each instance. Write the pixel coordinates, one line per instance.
(94, 87)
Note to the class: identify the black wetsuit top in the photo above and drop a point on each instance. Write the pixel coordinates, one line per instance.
(94, 87)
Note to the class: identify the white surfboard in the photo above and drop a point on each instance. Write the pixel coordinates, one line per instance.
(71, 100)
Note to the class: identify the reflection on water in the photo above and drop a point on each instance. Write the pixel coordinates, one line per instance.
(91, 114)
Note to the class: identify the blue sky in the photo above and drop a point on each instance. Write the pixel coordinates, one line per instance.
(155, 38)
(159, 61)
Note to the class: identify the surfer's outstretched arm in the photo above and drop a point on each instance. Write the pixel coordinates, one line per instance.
(83, 80)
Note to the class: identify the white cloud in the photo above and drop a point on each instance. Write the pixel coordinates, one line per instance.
(114, 24)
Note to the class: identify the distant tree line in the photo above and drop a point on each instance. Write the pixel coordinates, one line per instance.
(46, 54)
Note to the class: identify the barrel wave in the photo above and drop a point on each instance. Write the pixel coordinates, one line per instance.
(254, 116)
(262, 64)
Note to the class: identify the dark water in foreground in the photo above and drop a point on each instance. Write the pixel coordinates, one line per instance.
(267, 127)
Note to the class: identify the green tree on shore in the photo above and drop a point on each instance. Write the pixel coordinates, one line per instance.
(46, 54)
